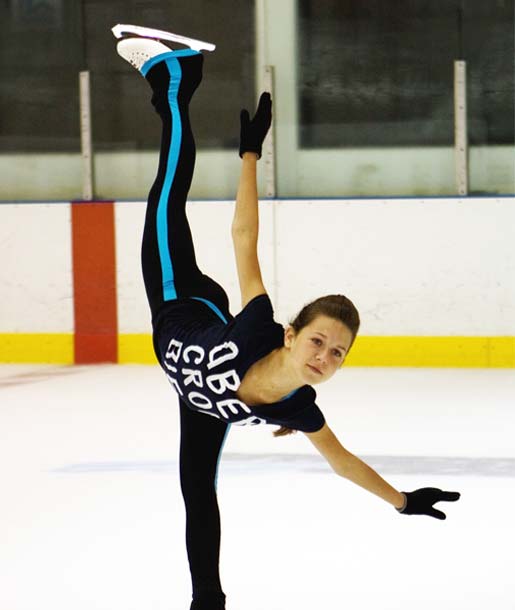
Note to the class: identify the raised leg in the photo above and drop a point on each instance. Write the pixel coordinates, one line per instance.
(170, 269)
(169, 265)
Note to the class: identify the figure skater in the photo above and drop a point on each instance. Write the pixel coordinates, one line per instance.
(246, 369)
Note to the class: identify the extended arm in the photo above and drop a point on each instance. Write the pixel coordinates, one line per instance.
(245, 226)
(344, 463)
(245, 230)
(246, 218)
(352, 468)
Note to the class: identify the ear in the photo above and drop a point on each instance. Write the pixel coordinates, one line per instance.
(289, 336)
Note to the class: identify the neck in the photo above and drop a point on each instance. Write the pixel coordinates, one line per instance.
(280, 379)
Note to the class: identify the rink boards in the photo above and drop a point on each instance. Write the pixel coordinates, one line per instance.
(433, 278)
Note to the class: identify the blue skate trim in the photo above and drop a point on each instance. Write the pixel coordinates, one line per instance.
(164, 56)
(213, 307)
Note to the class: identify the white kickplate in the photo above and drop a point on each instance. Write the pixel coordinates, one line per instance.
(197, 45)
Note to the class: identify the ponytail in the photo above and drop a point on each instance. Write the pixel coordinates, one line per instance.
(283, 431)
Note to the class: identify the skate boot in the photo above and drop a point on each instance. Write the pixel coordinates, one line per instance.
(138, 51)
(170, 73)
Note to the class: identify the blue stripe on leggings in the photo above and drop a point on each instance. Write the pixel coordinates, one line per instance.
(213, 307)
(169, 292)
(175, 71)
(166, 55)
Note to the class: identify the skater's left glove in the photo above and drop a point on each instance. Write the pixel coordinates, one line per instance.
(254, 131)
(420, 501)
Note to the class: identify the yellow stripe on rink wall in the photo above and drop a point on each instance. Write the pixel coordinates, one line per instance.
(464, 352)
(48, 348)
(136, 349)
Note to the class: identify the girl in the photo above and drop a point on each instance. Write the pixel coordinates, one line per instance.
(245, 369)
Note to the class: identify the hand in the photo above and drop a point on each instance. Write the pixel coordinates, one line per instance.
(420, 501)
(252, 133)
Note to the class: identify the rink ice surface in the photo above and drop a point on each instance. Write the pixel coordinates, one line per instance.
(91, 516)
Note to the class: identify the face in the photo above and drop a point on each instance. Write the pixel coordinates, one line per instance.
(319, 349)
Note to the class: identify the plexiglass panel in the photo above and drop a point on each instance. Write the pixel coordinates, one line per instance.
(381, 74)
(376, 96)
(45, 46)
(363, 98)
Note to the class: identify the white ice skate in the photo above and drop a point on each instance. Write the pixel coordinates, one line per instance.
(137, 51)
(197, 45)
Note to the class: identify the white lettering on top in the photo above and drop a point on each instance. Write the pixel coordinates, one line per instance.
(194, 348)
(233, 405)
(229, 352)
(174, 350)
(217, 383)
(250, 421)
(224, 381)
(193, 376)
(199, 400)
(175, 384)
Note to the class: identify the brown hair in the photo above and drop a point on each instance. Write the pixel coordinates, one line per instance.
(334, 306)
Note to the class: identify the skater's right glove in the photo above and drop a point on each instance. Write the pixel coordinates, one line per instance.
(420, 501)
(254, 131)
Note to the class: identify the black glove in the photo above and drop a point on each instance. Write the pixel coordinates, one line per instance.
(252, 133)
(420, 501)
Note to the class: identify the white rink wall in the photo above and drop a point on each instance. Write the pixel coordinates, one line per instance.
(412, 266)
(36, 271)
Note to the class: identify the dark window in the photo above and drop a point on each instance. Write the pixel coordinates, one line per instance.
(44, 45)
(375, 73)
(40, 58)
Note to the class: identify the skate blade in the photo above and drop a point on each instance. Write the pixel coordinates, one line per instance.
(197, 45)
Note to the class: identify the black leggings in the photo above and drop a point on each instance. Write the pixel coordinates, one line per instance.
(170, 272)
